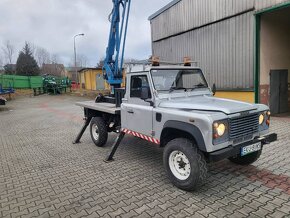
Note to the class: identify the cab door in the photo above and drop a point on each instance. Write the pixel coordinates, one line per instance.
(137, 112)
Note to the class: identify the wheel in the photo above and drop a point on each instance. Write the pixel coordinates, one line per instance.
(246, 160)
(98, 130)
(185, 164)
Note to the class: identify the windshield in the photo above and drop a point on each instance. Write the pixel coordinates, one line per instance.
(170, 80)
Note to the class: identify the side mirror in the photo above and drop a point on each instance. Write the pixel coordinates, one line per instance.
(213, 89)
(144, 93)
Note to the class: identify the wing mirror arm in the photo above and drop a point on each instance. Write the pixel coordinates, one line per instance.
(149, 101)
(213, 89)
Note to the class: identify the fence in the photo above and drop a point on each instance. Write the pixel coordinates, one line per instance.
(21, 82)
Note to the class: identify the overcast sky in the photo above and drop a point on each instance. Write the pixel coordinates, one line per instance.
(51, 24)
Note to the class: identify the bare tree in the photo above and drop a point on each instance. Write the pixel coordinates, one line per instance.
(82, 61)
(8, 50)
(1, 61)
(42, 56)
(55, 59)
(101, 62)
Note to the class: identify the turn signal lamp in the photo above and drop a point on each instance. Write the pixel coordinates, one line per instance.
(187, 61)
(155, 61)
(268, 113)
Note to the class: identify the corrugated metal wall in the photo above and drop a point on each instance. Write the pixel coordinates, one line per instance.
(224, 50)
(189, 14)
(262, 4)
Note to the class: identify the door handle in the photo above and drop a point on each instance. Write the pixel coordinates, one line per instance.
(130, 111)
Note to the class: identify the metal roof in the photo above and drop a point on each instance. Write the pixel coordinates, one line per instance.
(166, 7)
(89, 68)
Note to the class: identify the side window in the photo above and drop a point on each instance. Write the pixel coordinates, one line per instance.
(137, 83)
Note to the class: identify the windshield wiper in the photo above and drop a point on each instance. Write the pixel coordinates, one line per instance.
(199, 86)
(176, 88)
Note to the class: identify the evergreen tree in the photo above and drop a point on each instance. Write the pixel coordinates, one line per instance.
(26, 65)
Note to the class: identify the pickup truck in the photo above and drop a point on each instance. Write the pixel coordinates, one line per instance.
(174, 107)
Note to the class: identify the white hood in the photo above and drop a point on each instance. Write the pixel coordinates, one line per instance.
(208, 103)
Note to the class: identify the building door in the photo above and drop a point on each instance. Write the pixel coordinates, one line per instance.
(100, 82)
(279, 91)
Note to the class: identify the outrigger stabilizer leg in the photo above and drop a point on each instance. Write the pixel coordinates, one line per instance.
(116, 144)
(79, 136)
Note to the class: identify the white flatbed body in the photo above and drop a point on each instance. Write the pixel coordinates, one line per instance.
(102, 106)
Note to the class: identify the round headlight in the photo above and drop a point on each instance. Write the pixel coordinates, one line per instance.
(221, 129)
(215, 125)
(261, 119)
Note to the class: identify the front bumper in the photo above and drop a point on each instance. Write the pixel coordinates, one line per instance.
(235, 150)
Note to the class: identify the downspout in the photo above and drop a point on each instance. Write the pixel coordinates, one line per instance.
(257, 57)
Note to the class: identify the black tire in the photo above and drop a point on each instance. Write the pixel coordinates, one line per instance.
(246, 160)
(98, 124)
(197, 172)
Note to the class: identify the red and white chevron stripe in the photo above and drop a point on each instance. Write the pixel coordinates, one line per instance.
(139, 135)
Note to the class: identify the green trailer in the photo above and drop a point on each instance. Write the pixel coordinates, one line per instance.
(40, 84)
(21, 82)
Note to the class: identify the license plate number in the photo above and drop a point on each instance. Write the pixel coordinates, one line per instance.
(250, 148)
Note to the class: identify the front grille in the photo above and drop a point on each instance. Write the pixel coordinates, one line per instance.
(243, 127)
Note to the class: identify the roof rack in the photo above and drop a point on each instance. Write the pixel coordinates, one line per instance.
(155, 61)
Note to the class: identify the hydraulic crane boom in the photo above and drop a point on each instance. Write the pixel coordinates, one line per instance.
(112, 69)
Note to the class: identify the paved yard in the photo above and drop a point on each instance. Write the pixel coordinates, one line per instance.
(43, 174)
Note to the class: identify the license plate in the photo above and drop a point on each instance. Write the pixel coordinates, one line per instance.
(251, 148)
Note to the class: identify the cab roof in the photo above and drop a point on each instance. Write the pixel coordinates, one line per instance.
(165, 67)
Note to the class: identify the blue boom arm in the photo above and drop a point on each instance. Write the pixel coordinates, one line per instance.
(112, 69)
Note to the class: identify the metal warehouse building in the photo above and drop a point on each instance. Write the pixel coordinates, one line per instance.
(243, 46)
